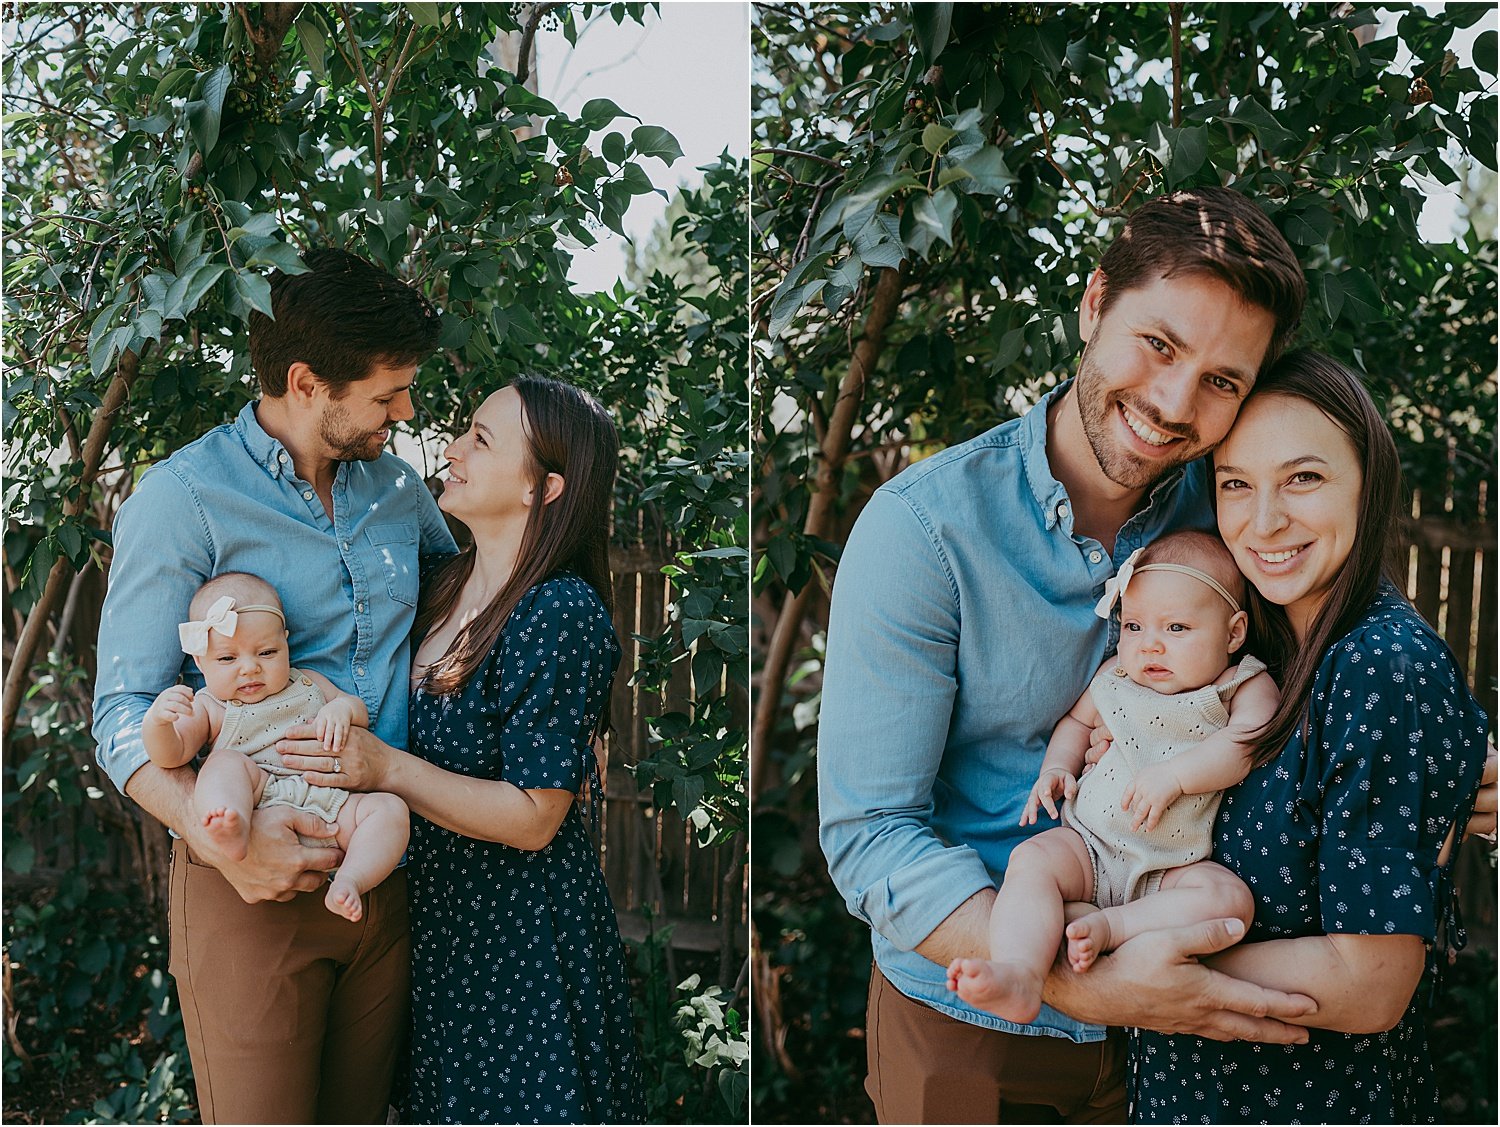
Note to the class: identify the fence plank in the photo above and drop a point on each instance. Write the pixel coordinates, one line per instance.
(1459, 624)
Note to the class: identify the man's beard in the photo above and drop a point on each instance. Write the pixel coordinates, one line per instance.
(1121, 465)
(347, 445)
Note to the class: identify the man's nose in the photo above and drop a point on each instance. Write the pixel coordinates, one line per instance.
(401, 408)
(1172, 393)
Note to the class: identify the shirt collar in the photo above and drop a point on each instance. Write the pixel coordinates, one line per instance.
(269, 453)
(1048, 491)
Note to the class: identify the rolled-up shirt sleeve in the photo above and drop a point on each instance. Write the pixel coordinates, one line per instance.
(888, 694)
(162, 555)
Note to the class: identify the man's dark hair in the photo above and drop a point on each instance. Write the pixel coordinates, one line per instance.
(340, 319)
(1215, 231)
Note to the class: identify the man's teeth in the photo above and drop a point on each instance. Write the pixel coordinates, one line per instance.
(1278, 557)
(1145, 433)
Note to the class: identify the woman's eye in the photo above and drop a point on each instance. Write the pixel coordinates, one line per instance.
(1306, 477)
(1230, 484)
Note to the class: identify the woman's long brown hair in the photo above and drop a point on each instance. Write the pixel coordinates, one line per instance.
(1340, 394)
(567, 433)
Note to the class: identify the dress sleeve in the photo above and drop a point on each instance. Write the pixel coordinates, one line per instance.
(559, 653)
(1400, 742)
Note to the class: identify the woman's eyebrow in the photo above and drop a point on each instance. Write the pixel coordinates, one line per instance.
(1301, 460)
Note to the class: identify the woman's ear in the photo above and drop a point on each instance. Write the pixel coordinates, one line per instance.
(552, 489)
(1239, 624)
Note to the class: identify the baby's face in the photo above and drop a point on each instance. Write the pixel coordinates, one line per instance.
(1176, 632)
(251, 665)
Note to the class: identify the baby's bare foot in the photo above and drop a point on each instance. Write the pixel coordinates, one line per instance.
(343, 900)
(1004, 989)
(229, 830)
(1088, 938)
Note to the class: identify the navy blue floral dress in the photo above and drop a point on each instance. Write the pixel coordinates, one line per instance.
(520, 999)
(1339, 835)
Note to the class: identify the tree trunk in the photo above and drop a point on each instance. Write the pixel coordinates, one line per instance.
(833, 450)
(19, 674)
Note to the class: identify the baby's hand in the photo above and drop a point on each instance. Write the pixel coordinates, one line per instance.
(333, 723)
(1049, 784)
(171, 706)
(1151, 792)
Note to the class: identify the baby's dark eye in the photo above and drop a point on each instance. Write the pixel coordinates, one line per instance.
(1132, 626)
(1177, 627)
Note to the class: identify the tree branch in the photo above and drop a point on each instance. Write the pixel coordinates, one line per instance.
(833, 451)
(1176, 13)
(17, 676)
(528, 37)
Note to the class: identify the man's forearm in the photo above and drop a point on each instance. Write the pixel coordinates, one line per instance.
(964, 934)
(166, 795)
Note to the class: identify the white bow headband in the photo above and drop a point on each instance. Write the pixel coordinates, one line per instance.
(1114, 588)
(221, 617)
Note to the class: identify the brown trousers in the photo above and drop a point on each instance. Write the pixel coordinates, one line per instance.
(292, 1014)
(927, 1067)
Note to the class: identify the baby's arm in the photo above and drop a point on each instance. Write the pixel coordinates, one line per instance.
(175, 727)
(1219, 761)
(1064, 759)
(340, 712)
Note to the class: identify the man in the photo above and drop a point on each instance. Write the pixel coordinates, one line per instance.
(292, 1014)
(962, 628)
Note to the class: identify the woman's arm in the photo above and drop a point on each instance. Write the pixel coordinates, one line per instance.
(1361, 983)
(485, 809)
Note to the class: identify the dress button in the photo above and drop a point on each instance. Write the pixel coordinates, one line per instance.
(1095, 557)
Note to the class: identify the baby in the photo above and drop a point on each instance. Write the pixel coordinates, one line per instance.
(1140, 823)
(236, 634)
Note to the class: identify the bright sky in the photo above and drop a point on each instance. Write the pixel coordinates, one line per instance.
(687, 70)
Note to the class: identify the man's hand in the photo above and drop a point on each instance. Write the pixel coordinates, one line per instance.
(1151, 792)
(1050, 784)
(1156, 981)
(277, 866)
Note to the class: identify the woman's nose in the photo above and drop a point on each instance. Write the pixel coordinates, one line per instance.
(1270, 517)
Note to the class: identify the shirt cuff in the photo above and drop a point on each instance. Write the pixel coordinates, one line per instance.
(909, 904)
(122, 758)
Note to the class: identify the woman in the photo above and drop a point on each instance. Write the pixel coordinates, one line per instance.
(1369, 765)
(520, 1000)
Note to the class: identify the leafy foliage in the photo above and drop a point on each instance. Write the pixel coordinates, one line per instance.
(976, 159)
(161, 161)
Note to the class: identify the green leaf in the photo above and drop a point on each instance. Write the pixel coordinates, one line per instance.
(933, 216)
(314, 42)
(262, 223)
(283, 256)
(935, 136)
(988, 172)
(787, 302)
(931, 23)
(1310, 225)
(1358, 298)
(20, 855)
(426, 15)
(188, 290)
(613, 148)
(254, 291)
(598, 112)
(654, 141)
(1268, 131)
(205, 112)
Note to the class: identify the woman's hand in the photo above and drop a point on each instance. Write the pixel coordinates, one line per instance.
(362, 765)
(1152, 791)
(1100, 739)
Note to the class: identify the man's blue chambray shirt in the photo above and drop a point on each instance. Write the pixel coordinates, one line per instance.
(962, 628)
(231, 501)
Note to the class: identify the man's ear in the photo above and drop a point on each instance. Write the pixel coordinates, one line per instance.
(1088, 308)
(303, 385)
(1239, 625)
(552, 489)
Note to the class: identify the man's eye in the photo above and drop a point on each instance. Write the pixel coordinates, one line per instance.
(1221, 383)
(1158, 344)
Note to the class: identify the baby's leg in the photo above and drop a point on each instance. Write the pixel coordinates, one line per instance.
(1026, 924)
(226, 792)
(1189, 894)
(373, 829)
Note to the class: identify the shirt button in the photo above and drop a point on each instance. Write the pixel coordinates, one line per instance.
(360, 607)
(359, 670)
(307, 494)
(346, 545)
(281, 458)
(1095, 557)
(1062, 511)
